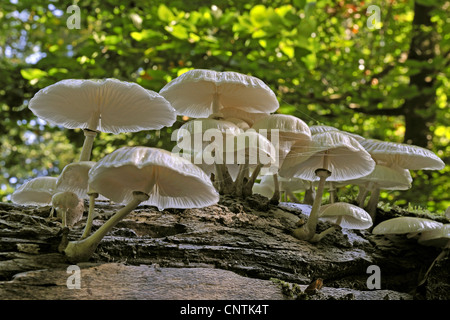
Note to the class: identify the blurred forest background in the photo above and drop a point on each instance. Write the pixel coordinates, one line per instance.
(325, 61)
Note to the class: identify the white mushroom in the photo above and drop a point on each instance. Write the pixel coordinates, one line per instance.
(251, 151)
(207, 138)
(201, 93)
(107, 105)
(68, 202)
(289, 130)
(37, 191)
(343, 215)
(332, 156)
(403, 155)
(382, 177)
(151, 176)
(74, 177)
(406, 225)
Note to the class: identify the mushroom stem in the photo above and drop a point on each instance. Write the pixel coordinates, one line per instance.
(82, 250)
(292, 196)
(216, 104)
(318, 237)
(239, 183)
(247, 190)
(219, 178)
(362, 195)
(373, 202)
(90, 218)
(89, 136)
(332, 191)
(308, 230)
(227, 180)
(276, 193)
(310, 195)
(64, 217)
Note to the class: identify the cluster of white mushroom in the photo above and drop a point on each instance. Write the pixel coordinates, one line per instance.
(234, 105)
(128, 175)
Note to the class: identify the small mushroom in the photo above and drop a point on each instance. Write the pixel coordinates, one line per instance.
(37, 192)
(342, 215)
(74, 177)
(135, 175)
(107, 105)
(332, 156)
(70, 205)
(406, 225)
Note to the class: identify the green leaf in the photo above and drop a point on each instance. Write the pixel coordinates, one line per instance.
(32, 73)
(165, 14)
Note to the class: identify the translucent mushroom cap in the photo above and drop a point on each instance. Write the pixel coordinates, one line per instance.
(192, 93)
(388, 178)
(323, 128)
(288, 127)
(404, 155)
(436, 238)
(346, 158)
(65, 200)
(170, 181)
(345, 215)
(293, 184)
(107, 105)
(74, 177)
(404, 225)
(37, 192)
(252, 148)
(248, 117)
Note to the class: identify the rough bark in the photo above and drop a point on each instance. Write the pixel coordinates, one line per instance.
(188, 254)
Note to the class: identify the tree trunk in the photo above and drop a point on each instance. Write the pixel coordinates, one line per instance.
(418, 110)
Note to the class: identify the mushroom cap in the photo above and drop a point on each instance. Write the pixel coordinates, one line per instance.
(289, 127)
(252, 148)
(65, 200)
(242, 124)
(323, 128)
(74, 177)
(345, 215)
(196, 135)
(37, 192)
(387, 178)
(404, 155)
(436, 238)
(347, 159)
(192, 93)
(292, 184)
(169, 180)
(403, 225)
(263, 189)
(248, 117)
(121, 106)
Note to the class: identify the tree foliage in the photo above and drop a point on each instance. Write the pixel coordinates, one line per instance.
(322, 59)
